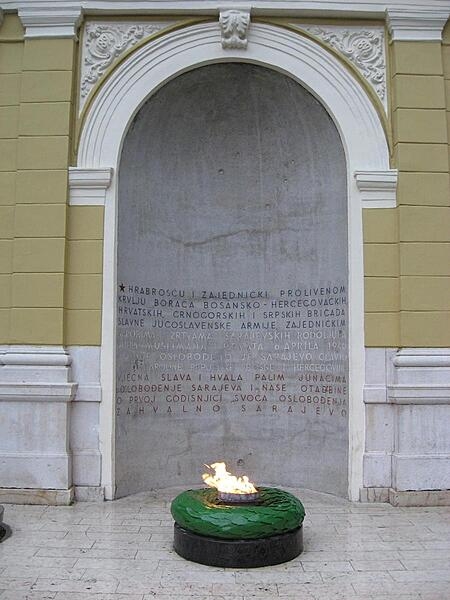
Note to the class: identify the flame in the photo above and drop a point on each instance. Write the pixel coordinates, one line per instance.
(226, 482)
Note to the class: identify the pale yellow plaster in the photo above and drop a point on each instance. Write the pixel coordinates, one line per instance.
(36, 326)
(11, 27)
(424, 189)
(6, 247)
(4, 325)
(420, 58)
(425, 293)
(8, 149)
(48, 55)
(41, 187)
(9, 89)
(424, 224)
(39, 255)
(382, 329)
(84, 256)
(420, 125)
(6, 222)
(380, 225)
(36, 290)
(381, 260)
(418, 91)
(381, 294)
(425, 329)
(40, 220)
(432, 158)
(5, 291)
(83, 291)
(43, 152)
(82, 327)
(11, 57)
(46, 86)
(9, 121)
(7, 187)
(421, 258)
(85, 223)
(45, 118)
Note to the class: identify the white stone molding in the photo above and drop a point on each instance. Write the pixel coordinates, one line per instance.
(104, 42)
(330, 8)
(88, 186)
(308, 63)
(416, 25)
(41, 21)
(377, 189)
(36, 392)
(36, 364)
(234, 26)
(407, 398)
(363, 46)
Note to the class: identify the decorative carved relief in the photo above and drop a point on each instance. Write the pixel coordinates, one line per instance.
(363, 47)
(104, 42)
(234, 25)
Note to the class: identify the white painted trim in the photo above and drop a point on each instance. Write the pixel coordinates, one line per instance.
(417, 25)
(358, 123)
(55, 20)
(49, 356)
(336, 8)
(377, 189)
(37, 392)
(418, 394)
(88, 393)
(422, 357)
(87, 187)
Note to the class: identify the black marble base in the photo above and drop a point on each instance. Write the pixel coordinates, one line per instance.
(237, 554)
(5, 530)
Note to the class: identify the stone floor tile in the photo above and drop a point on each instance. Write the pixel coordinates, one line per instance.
(424, 563)
(268, 575)
(316, 592)
(249, 590)
(16, 583)
(91, 586)
(115, 564)
(88, 596)
(377, 565)
(48, 572)
(26, 595)
(422, 575)
(320, 566)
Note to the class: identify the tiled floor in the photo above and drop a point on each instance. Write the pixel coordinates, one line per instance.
(122, 551)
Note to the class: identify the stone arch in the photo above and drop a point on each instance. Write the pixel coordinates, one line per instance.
(297, 56)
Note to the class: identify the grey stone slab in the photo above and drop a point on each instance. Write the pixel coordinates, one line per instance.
(232, 285)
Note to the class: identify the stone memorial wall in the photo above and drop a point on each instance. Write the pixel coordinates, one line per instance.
(232, 313)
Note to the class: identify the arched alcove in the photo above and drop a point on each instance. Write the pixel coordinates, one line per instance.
(232, 255)
(157, 62)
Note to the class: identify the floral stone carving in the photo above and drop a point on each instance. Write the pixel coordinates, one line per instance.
(104, 43)
(234, 25)
(363, 47)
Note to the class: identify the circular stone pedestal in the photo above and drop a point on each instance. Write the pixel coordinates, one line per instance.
(5, 530)
(237, 554)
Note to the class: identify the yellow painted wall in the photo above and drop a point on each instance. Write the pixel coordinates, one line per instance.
(11, 60)
(51, 254)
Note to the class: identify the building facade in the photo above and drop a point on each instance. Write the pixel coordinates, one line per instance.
(77, 81)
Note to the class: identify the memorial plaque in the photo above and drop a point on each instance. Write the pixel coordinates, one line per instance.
(232, 312)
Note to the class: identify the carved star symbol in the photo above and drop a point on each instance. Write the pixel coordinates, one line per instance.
(122, 287)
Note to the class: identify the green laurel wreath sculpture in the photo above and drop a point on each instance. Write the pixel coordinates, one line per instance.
(201, 512)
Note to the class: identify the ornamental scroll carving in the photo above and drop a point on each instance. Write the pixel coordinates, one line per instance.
(363, 47)
(104, 42)
(234, 25)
